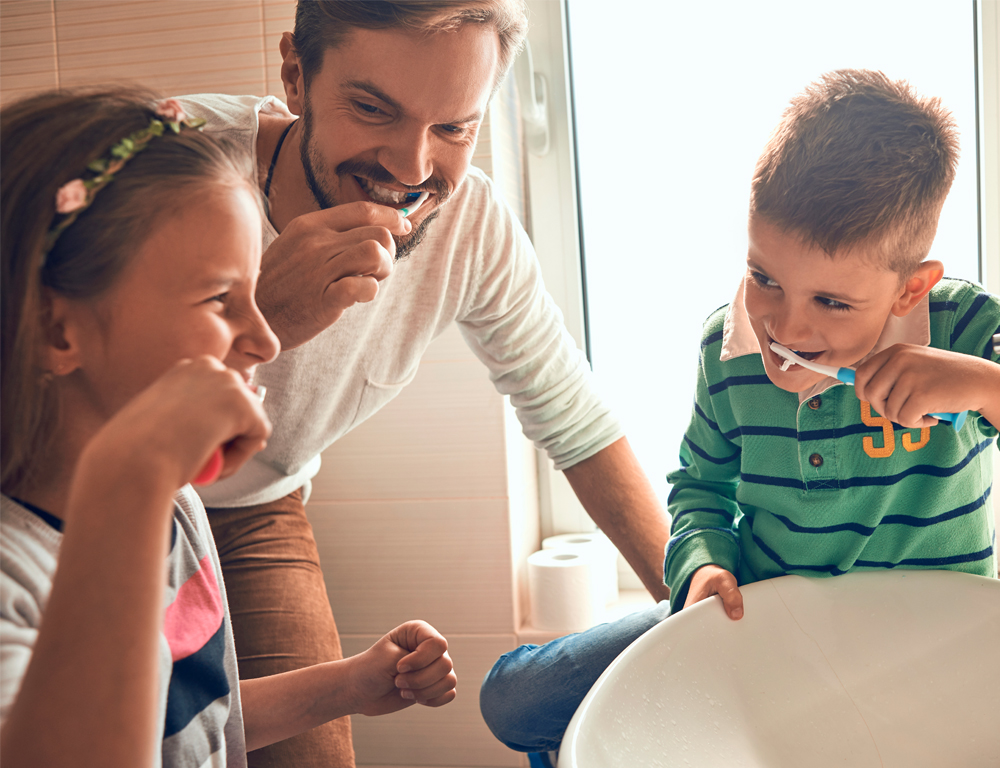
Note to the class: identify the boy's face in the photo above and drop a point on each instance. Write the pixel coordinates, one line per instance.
(828, 310)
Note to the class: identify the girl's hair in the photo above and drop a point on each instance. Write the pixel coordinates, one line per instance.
(46, 141)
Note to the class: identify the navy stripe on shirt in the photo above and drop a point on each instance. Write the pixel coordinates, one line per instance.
(737, 381)
(961, 325)
(195, 682)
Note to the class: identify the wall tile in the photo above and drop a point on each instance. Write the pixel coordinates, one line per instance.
(453, 735)
(446, 561)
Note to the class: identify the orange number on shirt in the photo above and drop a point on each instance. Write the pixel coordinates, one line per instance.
(925, 436)
(888, 437)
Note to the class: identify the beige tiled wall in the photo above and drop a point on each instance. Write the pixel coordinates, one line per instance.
(421, 512)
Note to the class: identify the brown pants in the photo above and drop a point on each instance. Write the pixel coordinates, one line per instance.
(281, 615)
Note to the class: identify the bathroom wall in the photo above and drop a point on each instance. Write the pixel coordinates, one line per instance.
(423, 511)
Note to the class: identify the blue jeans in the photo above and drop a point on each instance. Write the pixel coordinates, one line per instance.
(530, 695)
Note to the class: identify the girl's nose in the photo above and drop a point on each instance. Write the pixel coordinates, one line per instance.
(258, 340)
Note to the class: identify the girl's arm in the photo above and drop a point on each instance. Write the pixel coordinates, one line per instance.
(409, 665)
(89, 695)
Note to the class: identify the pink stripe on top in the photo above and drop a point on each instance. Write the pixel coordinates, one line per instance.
(196, 613)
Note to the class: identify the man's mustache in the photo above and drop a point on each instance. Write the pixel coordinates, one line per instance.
(376, 173)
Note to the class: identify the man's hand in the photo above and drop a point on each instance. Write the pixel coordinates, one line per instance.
(410, 665)
(712, 580)
(322, 264)
(906, 382)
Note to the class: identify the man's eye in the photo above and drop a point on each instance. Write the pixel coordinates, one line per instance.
(368, 108)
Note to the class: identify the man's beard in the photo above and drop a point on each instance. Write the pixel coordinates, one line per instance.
(376, 173)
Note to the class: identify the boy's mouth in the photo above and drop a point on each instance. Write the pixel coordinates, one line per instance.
(385, 196)
(785, 364)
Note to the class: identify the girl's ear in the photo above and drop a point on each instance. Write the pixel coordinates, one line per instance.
(917, 286)
(60, 351)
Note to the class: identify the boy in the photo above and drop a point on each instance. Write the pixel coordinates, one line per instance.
(787, 471)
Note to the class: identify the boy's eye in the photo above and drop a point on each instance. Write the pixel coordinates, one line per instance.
(219, 297)
(832, 303)
(762, 280)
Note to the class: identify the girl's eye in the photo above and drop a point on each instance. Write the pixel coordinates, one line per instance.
(762, 280)
(221, 298)
(832, 303)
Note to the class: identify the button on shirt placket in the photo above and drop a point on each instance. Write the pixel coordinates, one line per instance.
(817, 445)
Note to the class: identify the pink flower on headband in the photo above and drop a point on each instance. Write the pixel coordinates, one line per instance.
(71, 196)
(171, 111)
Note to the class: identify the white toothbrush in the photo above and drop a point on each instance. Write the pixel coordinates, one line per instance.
(846, 375)
(408, 210)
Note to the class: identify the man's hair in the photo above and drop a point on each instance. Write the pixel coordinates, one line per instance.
(859, 160)
(322, 24)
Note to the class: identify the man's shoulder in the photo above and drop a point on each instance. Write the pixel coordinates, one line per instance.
(224, 112)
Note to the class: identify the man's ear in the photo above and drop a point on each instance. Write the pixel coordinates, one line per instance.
(917, 286)
(60, 353)
(291, 75)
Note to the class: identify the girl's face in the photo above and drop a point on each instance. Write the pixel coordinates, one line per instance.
(188, 291)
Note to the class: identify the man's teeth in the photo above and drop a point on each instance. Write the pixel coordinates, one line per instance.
(382, 194)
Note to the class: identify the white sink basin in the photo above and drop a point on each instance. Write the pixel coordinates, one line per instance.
(867, 669)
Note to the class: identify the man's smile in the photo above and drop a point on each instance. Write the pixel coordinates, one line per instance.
(384, 195)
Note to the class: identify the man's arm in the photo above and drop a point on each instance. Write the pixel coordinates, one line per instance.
(618, 496)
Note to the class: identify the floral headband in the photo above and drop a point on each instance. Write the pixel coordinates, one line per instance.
(74, 197)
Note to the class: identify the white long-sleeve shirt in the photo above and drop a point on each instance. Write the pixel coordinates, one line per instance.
(475, 267)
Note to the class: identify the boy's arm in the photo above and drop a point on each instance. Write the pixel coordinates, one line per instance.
(410, 665)
(702, 502)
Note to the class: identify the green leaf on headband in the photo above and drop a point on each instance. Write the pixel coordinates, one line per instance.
(98, 166)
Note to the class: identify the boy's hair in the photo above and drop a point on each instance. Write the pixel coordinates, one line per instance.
(858, 159)
(46, 141)
(322, 24)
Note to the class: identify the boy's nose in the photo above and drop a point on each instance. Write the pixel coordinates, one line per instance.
(788, 330)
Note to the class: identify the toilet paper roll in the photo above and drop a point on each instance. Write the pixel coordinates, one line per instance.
(563, 589)
(607, 578)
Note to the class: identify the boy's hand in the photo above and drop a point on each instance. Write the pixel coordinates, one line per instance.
(410, 665)
(712, 580)
(906, 382)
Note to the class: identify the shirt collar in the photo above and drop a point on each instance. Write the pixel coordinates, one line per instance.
(738, 338)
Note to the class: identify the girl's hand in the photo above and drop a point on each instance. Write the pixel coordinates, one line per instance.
(174, 426)
(410, 665)
(712, 580)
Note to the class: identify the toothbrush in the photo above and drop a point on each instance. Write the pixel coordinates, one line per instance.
(846, 375)
(213, 467)
(408, 210)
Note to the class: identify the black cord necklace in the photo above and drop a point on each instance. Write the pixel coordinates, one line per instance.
(274, 158)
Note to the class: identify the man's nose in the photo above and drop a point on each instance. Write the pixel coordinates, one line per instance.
(408, 157)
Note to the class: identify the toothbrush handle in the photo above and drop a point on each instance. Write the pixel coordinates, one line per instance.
(846, 375)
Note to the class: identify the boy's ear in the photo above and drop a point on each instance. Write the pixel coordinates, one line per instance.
(917, 286)
(60, 354)
(291, 75)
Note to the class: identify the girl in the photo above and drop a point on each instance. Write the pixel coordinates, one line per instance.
(130, 252)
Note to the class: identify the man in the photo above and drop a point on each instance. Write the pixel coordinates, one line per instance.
(390, 98)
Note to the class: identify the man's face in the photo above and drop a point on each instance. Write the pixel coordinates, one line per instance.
(828, 310)
(391, 114)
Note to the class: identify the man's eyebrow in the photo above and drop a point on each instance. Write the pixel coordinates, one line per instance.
(378, 93)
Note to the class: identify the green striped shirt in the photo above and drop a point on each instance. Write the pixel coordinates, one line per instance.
(769, 486)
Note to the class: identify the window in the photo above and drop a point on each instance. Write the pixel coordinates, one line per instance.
(673, 102)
